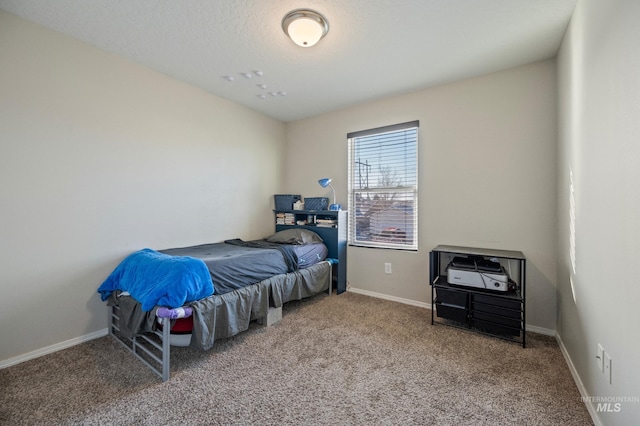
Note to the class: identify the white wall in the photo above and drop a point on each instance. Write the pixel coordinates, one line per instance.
(599, 142)
(100, 157)
(487, 177)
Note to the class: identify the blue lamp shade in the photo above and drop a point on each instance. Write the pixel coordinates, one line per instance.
(324, 182)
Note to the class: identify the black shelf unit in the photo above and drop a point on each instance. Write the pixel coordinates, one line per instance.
(502, 314)
(335, 238)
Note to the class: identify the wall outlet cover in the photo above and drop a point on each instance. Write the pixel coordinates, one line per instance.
(600, 358)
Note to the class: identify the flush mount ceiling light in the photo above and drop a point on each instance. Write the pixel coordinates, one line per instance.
(305, 27)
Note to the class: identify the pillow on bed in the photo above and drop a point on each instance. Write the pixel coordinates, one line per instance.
(295, 236)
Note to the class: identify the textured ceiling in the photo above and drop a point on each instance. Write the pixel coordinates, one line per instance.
(374, 49)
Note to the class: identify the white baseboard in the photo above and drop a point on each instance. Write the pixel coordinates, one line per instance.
(424, 305)
(579, 384)
(53, 348)
(427, 305)
(541, 330)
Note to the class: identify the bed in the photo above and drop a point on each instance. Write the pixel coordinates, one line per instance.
(217, 288)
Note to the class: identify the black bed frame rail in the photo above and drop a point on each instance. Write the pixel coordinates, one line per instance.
(154, 352)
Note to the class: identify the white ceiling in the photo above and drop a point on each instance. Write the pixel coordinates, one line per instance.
(374, 48)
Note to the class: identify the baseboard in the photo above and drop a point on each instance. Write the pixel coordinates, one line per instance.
(424, 305)
(53, 348)
(541, 330)
(576, 378)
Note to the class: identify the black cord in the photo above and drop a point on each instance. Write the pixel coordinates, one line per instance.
(484, 276)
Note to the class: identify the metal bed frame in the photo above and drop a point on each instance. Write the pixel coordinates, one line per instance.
(153, 348)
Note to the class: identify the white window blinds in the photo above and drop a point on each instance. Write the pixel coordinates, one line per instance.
(383, 187)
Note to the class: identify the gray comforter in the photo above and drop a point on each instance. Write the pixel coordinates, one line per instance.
(235, 266)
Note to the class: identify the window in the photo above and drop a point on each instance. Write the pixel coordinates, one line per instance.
(383, 187)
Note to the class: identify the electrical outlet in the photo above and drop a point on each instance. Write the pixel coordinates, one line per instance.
(607, 367)
(600, 358)
(387, 268)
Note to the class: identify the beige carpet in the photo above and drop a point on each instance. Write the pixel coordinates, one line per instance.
(333, 360)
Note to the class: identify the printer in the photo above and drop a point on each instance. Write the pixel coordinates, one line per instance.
(477, 272)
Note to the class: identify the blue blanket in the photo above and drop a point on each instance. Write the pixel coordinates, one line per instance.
(157, 279)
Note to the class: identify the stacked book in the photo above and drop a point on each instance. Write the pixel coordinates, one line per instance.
(327, 223)
(285, 219)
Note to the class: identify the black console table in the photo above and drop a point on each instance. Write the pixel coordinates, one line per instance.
(486, 310)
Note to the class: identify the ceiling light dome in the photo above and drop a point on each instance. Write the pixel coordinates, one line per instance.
(305, 27)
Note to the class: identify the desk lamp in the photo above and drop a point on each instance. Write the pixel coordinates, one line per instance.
(324, 182)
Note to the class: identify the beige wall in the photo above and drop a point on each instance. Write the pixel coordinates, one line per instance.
(487, 177)
(599, 143)
(100, 157)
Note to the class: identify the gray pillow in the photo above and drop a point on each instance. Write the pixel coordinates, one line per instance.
(295, 236)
